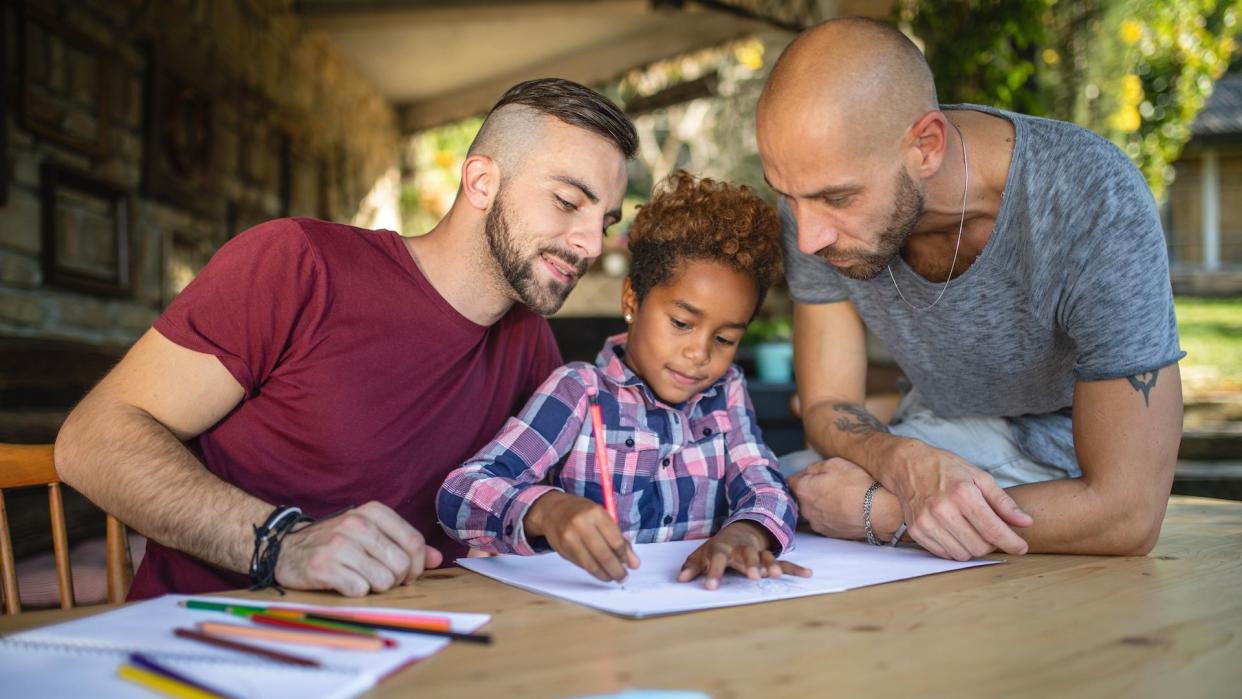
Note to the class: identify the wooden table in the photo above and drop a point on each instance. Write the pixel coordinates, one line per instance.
(1167, 625)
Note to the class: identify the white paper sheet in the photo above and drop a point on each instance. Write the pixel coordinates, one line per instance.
(80, 658)
(653, 588)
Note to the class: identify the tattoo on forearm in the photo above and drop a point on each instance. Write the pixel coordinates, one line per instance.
(858, 421)
(1144, 382)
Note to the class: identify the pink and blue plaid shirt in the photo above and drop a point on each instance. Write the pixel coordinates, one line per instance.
(678, 472)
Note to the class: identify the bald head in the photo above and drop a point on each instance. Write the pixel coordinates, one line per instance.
(861, 79)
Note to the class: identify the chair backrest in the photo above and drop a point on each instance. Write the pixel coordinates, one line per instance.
(23, 465)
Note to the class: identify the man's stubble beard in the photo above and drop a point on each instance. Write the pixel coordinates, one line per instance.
(517, 270)
(907, 209)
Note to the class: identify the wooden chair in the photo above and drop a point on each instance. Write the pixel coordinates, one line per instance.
(29, 465)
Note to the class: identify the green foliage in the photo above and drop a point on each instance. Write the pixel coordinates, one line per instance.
(981, 51)
(1211, 334)
(769, 329)
(1135, 71)
(1164, 58)
(437, 156)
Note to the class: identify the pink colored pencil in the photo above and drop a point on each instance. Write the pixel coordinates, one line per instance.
(601, 456)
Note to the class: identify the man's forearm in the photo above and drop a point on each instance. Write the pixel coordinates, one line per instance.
(134, 468)
(849, 431)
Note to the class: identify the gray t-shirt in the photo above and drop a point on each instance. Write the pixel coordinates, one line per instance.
(1073, 285)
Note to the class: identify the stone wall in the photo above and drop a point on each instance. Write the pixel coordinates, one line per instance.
(169, 126)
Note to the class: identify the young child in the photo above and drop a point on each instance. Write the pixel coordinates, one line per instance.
(686, 457)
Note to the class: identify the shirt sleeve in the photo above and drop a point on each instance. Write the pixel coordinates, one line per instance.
(753, 484)
(483, 503)
(811, 279)
(250, 302)
(1118, 302)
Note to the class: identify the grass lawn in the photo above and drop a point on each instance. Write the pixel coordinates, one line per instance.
(1211, 334)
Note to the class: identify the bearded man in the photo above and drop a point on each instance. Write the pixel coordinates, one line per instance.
(1014, 267)
(314, 367)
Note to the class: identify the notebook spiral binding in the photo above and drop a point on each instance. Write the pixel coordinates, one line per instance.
(78, 646)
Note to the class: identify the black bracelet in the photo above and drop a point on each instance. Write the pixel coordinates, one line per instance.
(267, 540)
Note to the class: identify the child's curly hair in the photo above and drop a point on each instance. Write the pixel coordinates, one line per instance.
(691, 218)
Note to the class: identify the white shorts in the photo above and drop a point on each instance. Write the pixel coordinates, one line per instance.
(986, 442)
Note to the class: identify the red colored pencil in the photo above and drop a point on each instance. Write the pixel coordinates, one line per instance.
(601, 456)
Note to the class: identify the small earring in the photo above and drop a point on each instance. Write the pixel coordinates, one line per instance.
(629, 318)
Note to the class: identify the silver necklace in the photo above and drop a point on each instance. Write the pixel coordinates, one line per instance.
(960, 225)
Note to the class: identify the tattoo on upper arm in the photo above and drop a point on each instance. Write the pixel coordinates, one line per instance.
(858, 421)
(1144, 382)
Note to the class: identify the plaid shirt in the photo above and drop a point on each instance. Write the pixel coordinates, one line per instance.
(678, 472)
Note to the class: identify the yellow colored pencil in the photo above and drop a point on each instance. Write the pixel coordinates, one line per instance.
(163, 685)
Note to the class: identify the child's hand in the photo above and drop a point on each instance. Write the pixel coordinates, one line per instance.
(742, 546)
(583, 533)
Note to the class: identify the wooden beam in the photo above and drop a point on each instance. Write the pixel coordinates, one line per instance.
(342, 14)
(592, 66)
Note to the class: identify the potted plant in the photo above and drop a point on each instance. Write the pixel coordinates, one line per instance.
(771, 338)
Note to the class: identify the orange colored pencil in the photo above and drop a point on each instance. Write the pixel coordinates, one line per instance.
(412, 620)
(412, 624)
(311, 626)
(323, 640)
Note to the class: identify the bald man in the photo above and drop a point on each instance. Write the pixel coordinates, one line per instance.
(314, 368)
(1014, 267)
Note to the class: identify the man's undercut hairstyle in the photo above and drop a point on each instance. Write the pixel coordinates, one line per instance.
(511, 125)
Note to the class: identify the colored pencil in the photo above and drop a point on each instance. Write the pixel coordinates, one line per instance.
(456, 635)
(161, 684)
(601, 456)
(357, 621)
(415, 620)
(350, 630)
(322, 640)
(150, 664)
(192, 635)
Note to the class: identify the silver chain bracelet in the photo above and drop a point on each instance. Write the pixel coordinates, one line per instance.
(867, 514)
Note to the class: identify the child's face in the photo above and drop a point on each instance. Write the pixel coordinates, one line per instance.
(685, 334)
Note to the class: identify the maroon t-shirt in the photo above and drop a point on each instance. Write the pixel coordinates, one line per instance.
(362, 383)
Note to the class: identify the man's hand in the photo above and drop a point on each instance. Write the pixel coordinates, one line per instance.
(830, 495)
(368, 549)
(953, 509)
(583, 533)
(744, 547)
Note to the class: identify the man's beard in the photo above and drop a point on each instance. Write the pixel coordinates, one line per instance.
(518, 270)
(908, 207)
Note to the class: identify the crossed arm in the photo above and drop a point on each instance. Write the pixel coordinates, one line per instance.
(122, 447)
(1126, 433)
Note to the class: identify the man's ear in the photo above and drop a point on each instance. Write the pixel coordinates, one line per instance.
(480, 180)
(926, 144)
(629, 300)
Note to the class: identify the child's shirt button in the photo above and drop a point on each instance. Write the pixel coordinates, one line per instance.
(629, 441)
(666, 462)
(707, 431)
(668, 519)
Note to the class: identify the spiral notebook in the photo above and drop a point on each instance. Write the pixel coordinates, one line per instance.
(80, 658)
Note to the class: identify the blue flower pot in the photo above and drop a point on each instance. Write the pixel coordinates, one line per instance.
(774, 361)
